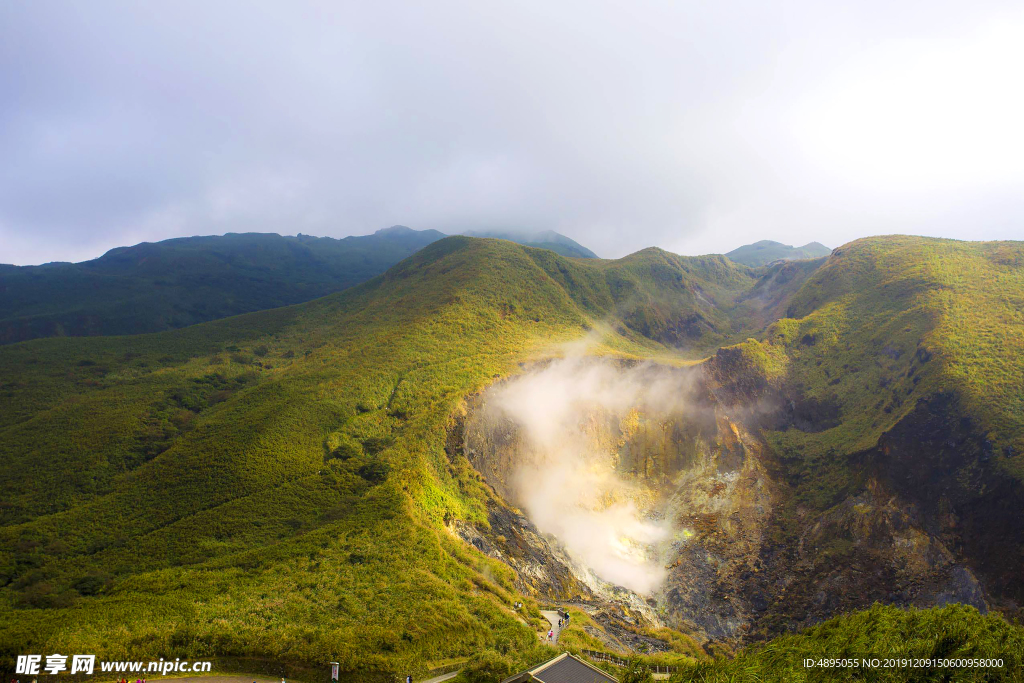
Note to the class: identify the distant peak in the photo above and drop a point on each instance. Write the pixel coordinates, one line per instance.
(766, 251)
(394, 230)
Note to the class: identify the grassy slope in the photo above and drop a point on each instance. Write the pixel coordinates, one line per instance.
(890, 320)
(178, 492)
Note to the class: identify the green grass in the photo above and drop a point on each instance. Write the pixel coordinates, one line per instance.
(575, 636)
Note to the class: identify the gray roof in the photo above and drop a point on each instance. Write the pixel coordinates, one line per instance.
(565, 668)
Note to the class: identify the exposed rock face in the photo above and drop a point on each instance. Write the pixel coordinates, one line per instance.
(938, 461)
(541, 565)
(869, 548)
(725, 504)
(934, 522)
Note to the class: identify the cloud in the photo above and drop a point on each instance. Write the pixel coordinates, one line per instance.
(695, 127)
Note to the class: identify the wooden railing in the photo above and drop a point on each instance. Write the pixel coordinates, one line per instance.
(619, 661)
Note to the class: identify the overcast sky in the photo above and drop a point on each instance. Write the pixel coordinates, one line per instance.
(693, 126)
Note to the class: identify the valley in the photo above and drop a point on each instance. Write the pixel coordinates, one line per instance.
(697, 457)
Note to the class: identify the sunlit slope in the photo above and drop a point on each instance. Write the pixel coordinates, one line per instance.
(887, 321)
(276, 484)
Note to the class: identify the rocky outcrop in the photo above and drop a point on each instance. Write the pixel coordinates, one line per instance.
(542, 567)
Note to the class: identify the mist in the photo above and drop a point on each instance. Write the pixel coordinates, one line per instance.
(567, 476)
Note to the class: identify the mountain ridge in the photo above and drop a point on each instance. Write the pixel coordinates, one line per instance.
(153, 286)
(545, 239)
(309, 467)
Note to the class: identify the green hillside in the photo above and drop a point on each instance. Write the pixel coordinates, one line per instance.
(152, 287)
(888, 321)
(901, 361)
(166, 285)
(220, 488)
(766, 251)
(277, 484)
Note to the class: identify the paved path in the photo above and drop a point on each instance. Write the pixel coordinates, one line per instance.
(442, 677)
(553, 617)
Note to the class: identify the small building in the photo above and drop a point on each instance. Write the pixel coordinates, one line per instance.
(565, 668)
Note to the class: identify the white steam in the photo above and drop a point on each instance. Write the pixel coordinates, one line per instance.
(566, 476)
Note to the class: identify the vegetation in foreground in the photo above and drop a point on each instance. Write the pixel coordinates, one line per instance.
(875, 644)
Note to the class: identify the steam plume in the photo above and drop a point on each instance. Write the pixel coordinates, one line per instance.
(572, 417)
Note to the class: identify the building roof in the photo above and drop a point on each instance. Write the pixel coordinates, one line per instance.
(565, 668)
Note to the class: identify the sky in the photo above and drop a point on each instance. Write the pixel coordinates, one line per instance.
(692, 126)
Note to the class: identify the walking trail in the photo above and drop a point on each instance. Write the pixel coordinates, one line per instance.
(553, 617)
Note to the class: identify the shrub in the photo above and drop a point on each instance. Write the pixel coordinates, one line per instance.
(375, 445)
(92, 583)
(488, 667)
(346, 450)
(374, 472)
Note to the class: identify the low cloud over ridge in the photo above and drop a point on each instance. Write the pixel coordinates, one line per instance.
(693, 127)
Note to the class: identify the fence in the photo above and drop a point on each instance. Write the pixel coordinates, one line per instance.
(619, 661)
